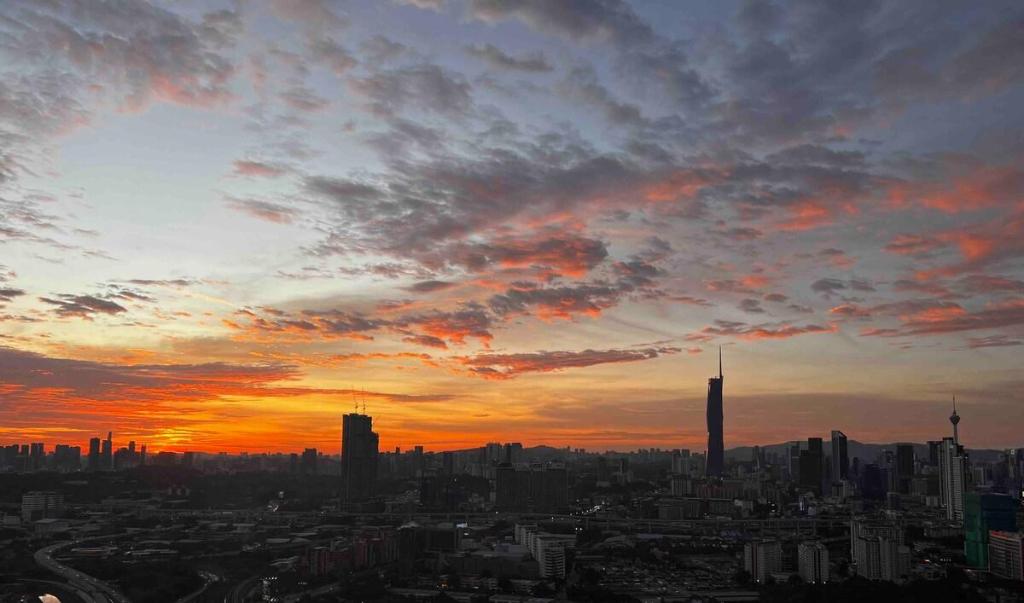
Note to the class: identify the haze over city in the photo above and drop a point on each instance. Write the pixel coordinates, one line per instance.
(224, 224)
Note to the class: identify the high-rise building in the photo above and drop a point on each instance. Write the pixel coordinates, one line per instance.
(984, 512)
(813, 562)
(715, 418)
(41, 505)
(904, 467)
(794, 463)
(531, 488)
(309, 458)
(358, 457)
(494, 453)
(933, 452)
(94, 454)
(550, 554)
(107, 454)
(840, 458)
(952, 477)
(878, 552)
(37, 456)
(762, 558)
(811, 464)
(1006, 554)
(513, 452)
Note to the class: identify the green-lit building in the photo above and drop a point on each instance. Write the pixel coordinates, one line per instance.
(984, 512)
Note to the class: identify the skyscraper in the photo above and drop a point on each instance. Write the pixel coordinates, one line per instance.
(107, 457)
(983, 513)
(952, 471)
(716, 441)
(952, 476)
(840, 457)
(813, 562)
(811, 464)
(94, 454)
(904, 467)
(762, 558)
(358, 457)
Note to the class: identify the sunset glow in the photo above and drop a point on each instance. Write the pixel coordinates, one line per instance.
(224, 224)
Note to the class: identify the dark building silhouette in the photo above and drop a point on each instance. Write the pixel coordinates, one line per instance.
(811, 465)
(531, 488)
(94, 454)
(794, 463)
(904, 467)
(840, 457)
(358, 457)
(107, 455)
(934, 446)
(309, 458)
(716, 441)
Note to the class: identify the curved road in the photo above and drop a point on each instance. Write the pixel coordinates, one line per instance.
(98, 590)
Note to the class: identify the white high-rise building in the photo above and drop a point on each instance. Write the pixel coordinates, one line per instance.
(550, 555)
(762, 558)
(878, 551)
(813, 562)
(1006, 554)
(952, 477)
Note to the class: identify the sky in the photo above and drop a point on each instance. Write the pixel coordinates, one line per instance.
(224, 224)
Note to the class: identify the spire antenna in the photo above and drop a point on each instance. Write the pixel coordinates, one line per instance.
(719, 362)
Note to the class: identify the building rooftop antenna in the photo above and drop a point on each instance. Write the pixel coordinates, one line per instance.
(719, 362)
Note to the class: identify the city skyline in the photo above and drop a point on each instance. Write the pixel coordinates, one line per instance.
(223, 222)
(360, 423)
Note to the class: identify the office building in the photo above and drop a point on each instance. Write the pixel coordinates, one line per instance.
(309, 459)
(107, 453)
(811, 464)
(952, 478)
(1006, 555)
(358, 457)
(813, 562)
(513, 452)
(94, 454)
(41, 505)
(840, 456)
(536, 487)
(762, 558)
(904, 473)
(984, 512)
(877, 550)
(715, 419)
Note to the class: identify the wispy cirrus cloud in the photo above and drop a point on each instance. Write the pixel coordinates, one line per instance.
(507, 366)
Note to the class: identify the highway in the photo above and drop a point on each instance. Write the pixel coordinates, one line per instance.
(208, 579)
(89, 588)
(240, 593)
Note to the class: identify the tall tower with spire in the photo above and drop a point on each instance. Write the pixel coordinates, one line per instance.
(715, 417)
(955, 420)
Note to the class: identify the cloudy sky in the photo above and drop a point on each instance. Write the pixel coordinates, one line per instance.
(222, 224)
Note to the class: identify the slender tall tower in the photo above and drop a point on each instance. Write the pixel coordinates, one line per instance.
(716, 442)
(955, 420)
